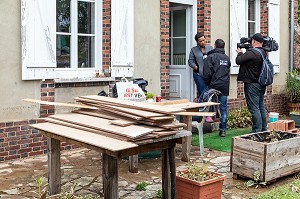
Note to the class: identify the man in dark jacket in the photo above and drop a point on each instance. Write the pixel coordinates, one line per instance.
(250, 67)
(216, 73)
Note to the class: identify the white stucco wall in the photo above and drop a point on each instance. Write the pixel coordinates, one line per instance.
(147, 43)
(12, 88)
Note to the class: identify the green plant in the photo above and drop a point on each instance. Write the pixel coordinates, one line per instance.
(141, 186)
(255, 181)
(41, 191)
(149, 95)
(240, 118)
(292, 86)
(159, 194)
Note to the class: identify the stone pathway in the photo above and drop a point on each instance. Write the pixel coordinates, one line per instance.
(82, 167)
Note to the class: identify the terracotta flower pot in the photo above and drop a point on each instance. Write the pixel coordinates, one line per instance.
(190, 189)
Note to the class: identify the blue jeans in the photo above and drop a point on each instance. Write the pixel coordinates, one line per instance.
(223, 112)
(254, 94)
(201, 85)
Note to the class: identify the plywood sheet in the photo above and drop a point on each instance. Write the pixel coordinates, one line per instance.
(132, 131)
(192, 105)
(137, 105)
(85, 137)
(196, 113)
(59, 104)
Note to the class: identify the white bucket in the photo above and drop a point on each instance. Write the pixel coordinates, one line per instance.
(273, 117)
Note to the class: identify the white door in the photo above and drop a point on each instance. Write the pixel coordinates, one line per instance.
(181, 80)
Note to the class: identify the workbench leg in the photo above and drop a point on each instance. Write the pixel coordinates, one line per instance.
(110, 177)
(168, 173)
(134, 163)
(186, 141)
(54, 172)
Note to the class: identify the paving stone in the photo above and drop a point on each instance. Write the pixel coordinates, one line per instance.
(220, 160)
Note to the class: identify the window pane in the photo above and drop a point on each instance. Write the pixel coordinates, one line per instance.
(251, 29)
(86, 17)
(63, 16)
(63, 51)
(179, 49)
(251, 10)
(179, 23)
(86, 52)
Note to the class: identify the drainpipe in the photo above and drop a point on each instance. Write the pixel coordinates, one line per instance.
(292, 36)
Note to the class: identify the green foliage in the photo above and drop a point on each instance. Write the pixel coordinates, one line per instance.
(149, 95)
(41, 191)
(159, 194)
(287, 191)
(256, 181)
(292, 86)
(141, 186)
(240, 118)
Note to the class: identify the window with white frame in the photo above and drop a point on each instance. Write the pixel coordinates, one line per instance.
(61, 38)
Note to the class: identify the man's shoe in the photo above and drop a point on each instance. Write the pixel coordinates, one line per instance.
(222, 133)
(209, 119)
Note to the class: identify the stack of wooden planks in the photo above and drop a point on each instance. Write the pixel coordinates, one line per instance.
(119, 119)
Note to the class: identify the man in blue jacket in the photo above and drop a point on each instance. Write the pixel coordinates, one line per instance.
(216, 72)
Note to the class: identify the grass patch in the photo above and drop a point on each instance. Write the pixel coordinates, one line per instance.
(215, 142)
(288, 191)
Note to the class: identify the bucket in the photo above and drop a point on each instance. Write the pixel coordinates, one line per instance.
(273, 117)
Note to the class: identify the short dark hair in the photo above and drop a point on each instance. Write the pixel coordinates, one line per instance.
(198, 35)
(219, 43)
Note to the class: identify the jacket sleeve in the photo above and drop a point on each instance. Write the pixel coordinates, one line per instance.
(207, 70)
(192, 59)
(242, 58)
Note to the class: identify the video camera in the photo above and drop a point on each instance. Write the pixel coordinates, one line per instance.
(269, 43)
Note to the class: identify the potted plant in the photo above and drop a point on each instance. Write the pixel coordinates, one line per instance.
(293, 90)
(198, 182)
(149, 97)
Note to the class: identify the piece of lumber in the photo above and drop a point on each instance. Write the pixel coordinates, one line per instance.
(54, 121)
(132, 131)
(137, 105)
(59, 104)
(191, 105)
(96, 114)
(170, 102)
(85, 137)
(196, 113)
(120, 122)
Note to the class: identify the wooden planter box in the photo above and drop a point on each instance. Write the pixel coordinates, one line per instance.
(273, 160)
(296, 118)
(190, 189)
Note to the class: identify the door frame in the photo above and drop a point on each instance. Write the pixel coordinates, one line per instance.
(191, 30)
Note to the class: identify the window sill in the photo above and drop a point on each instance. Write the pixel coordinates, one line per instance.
(75, 80)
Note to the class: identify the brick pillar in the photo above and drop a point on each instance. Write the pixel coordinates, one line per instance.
(106, 37)
(264, 17)
(204, 18)
(47, 94)
(164, 48)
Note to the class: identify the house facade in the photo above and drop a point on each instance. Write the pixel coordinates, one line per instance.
(54, 51)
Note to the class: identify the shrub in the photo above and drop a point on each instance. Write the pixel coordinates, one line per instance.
(292, 85)
(240, 118)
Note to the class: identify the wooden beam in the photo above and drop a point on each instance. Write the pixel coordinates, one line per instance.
(54, 174)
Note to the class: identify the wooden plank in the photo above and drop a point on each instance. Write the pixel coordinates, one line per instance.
(249, 145)
(134, 164)
(170, 102)
(59, 104)
(196, 113)
(186, 141)
(138, 105)
(120, 122)
(54, 121)
(54, 172)
(97, 114)
(85, 136)
(122, 114)
(192, 105)
(132, 131)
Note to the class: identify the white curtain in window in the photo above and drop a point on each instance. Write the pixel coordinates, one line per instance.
(122, 38)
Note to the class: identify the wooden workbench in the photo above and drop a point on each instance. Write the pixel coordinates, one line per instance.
(112, 150)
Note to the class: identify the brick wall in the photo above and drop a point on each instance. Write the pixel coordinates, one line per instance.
(164, 48)
(204, 18)
(106, 40)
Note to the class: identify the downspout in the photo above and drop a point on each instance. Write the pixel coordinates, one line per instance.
(292, 36)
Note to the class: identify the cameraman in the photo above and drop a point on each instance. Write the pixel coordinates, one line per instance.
(250, 67)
